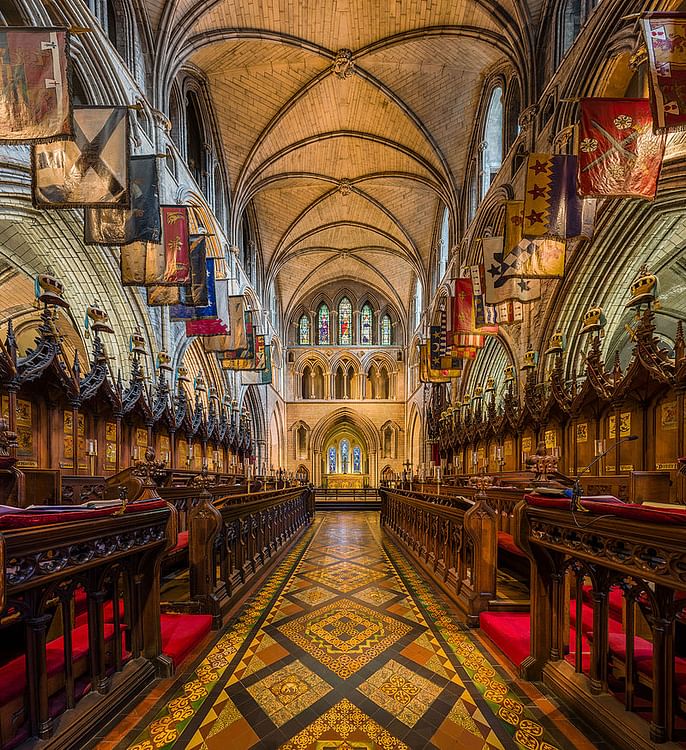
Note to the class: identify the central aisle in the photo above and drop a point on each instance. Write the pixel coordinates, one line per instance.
(344, 647)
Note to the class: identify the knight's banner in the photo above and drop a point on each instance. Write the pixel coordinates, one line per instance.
(427, 374)
(665, 35)
(500, 286)
(34, 90)
(542, 257)
(121, 226)
(257, 362)
(177, 269)
(551, 205)
(463, 310)
(91, 170)
(619, 154)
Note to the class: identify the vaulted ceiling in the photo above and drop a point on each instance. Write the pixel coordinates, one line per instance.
(347, 123)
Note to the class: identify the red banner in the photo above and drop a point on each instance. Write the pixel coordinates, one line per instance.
(207, 327)
(175, 240)
(665, 35)
(619, 154)
(463, 307)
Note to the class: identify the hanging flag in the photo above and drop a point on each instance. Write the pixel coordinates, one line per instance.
(485, 318)
(209, 327)
(163, 294)
(263, 376)
(186, 311)
(257, 362)
(34, 91)
(551, 205)
(619, 154)
(91, 170)
(175, 241)
(499, 287)
(248, 350)
(132, 263)
(121, 226)
(665, 35)
(427, 374)
(510, 312)
(542, 257)
(198, 270)
(469, 340)
(463, 310)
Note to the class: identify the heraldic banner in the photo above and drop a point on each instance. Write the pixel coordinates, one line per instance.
(619, 154)
(121, 226)
(91, 170)
(551, 205)
(665, 35)
(500, 286)
(34, 90)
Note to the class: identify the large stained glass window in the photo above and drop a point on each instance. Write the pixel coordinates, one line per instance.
(304, 330)
(345, 315)
(332, 459)
(323, 325)
(345, 456)
(366, 325)
(386, 329)
(357, 460)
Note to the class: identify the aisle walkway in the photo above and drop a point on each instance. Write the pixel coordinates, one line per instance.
(336, 652)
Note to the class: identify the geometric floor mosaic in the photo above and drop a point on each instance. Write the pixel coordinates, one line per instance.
(345, 647)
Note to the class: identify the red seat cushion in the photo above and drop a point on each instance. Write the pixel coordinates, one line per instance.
(613, 626)
(510, 631)
(642, 649)
(13, 674)
(181, 633)
(181, 543)
(506, 542)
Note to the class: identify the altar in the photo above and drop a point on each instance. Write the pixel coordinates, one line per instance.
(346, 481)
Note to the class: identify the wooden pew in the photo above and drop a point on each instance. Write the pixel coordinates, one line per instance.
(110, 564)
(232, 538)
(624, 566)
(453, 538)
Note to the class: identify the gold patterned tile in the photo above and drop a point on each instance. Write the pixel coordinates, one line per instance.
(344, 635)
(404, 694)
(375, 595)
(344, 576)
(344, 727)
(314, 595)
(288, 692)
(427, 651)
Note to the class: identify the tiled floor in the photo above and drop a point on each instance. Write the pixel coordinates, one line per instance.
(346, 647)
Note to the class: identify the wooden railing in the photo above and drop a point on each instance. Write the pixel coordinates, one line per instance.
(80, 613)
(346, 494)
(232, 538)
(454, 539)
(626, 560)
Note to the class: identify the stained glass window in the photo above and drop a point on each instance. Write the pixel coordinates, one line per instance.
(345, 456)
(366, 325)
(332, 459)
(386, 331)
(345, 314)
(323, 324)
(357, 459)
(304, 330)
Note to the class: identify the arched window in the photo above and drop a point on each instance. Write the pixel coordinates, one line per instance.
(345, 314)
(175, 116)
(307, 383)
(219, 195)
(323, 324)
(571, 19)
(386, 331)
(417, 303)
(514, 108)
(79, 95)
(345, 456)
(111, 23)
(444, 244)
(194, 138)
(304, 330)
(332, 459)
(366, 316)
(357, 460)
(492, 154)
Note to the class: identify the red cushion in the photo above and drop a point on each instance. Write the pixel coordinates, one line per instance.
(642, 649)
(506, 542)
(181, 543)
(645, 666)
(587, 619)
(510, 631)
(13, 674)
(108, 614)
(21, 519)
(181, 633)
(676, 514)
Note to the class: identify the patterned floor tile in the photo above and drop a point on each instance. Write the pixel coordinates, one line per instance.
(401, 692)
(375, 595)
(344, 727)
(288, 692)
(314, 595)
(344, 635)
(344, 576)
